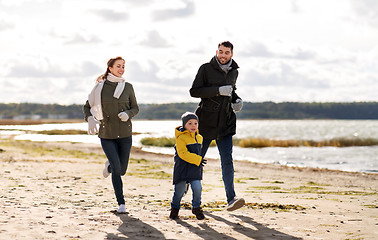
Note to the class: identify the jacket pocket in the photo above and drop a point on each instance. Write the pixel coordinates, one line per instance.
(208, 113)
(123, 106)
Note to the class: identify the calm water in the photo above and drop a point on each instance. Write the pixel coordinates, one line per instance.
(346, 159)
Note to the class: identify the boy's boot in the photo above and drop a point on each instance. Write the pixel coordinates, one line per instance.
(199, 213)
(174, 213)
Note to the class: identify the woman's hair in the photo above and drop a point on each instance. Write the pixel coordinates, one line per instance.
(110, 63)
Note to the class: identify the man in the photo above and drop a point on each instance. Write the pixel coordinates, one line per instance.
(215, 84)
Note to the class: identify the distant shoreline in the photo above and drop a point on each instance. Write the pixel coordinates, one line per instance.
(38, 121)
(251, 110)
(77, 120)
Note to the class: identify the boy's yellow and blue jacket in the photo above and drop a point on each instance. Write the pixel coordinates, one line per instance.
(187, 156)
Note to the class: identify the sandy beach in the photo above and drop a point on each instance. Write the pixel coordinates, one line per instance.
(57, 191)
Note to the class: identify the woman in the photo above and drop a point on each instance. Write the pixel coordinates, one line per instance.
(112, 104)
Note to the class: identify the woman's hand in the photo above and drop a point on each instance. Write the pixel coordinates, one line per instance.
(123, 116)
(92, 125)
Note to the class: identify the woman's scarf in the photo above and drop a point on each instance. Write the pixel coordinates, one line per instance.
(94, 98)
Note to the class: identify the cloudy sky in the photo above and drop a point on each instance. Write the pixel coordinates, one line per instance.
(288, 50)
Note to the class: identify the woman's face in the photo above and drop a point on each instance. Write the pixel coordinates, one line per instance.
(118, 68)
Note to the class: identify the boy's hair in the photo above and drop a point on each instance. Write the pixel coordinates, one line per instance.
(187, 116)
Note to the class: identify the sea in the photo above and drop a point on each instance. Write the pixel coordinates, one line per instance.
(355, 159)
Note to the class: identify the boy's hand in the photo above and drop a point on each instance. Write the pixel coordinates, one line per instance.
(203, 162)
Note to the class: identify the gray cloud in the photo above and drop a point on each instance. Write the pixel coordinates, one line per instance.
(154, 39)
(149, 88)
(4, 25)
(137, 3)
(285, 77)
(256, 49)
(111, 15)
(167, 14)
(30, 71)
(294, 7)
(89, 68)
(367, 11)
(300, 54)
(135, 73)
(80, 39)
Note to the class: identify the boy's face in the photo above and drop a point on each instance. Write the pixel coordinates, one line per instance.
(191, 125)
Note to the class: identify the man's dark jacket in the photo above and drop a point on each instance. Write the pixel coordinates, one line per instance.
(216, 117)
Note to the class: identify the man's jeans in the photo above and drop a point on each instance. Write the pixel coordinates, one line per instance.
(179, 193)
(118, 152)
(225, 151)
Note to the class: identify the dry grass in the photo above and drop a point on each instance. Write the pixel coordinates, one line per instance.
(263, 142)
(63, 132)
(336, 142)
(159, 142)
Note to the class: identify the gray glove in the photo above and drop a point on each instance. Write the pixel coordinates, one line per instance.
(225, 90)
(238, 105)
(123, 116)
(92, 125)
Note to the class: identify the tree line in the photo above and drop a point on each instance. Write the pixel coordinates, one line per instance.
(251, 110)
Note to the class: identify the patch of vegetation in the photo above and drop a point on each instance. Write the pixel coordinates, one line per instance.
(62, 132)
(142, 160)
(263, 142)
(159, 142)
(243, 180)
(151, 174)
(143, 168)
(265, 187)
(275, 206)
(278, 182)
(164, 142)
(311, 183)
(336, 142)
(36, 149)
(320, 190)
(307, 189)
(371, 206)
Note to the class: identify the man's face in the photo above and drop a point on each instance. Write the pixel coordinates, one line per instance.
(224, 54)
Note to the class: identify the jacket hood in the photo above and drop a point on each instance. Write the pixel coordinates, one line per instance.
(181, 130)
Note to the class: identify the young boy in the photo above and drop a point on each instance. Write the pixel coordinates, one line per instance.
(188, 165)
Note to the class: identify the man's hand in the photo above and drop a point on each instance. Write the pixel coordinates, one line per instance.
(225, 90)
(238, 105)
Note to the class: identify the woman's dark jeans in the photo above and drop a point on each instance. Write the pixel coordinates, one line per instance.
(118, 152)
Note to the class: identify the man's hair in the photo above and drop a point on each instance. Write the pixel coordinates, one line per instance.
(227, 44)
